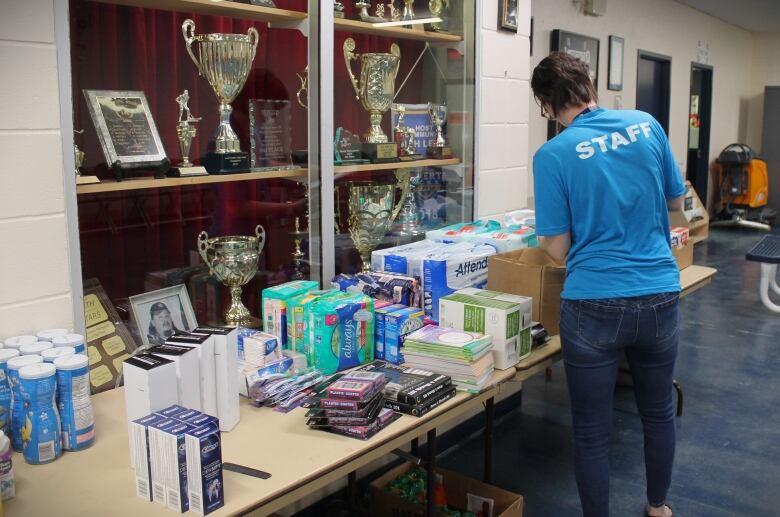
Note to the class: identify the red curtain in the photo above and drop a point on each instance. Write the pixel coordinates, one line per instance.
(124, 236)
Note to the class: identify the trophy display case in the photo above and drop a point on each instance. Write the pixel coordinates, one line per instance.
(320, 130)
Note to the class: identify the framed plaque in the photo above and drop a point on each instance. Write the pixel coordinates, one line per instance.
(270, 131)
(615, 71)
(582, 47)
(125, 128)
(417, 117)
(109, 341)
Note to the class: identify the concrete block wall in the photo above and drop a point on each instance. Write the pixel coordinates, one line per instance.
(503, 112)
(35, 277)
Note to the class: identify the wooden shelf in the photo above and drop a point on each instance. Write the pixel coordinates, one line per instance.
(217, 8)
(149, 183)
(368, 167)
(361, 27)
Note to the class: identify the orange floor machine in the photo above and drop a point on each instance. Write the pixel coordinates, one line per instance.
(743, 189)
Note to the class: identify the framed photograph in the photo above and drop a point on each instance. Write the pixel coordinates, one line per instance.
(507, 15)
(615, 70)
(161, 314)
(581, 47)
(125, 127)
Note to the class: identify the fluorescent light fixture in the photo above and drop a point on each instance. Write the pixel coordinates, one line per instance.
(416, 21)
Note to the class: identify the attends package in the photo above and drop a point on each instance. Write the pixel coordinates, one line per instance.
(401, 259)
(457, 267)
(343, 332)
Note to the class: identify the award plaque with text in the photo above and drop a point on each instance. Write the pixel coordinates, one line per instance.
(126, 130)
(269, 128)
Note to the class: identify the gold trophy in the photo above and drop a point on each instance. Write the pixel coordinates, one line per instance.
(233, 261)
(185, 132)
(436, 7)
(371, 214)
(375, 89)
(79, 157)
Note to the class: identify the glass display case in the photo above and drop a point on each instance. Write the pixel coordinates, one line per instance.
(315, 133)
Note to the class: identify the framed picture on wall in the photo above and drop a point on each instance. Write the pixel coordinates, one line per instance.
(615, 70)
(507, 15)
(581, 47)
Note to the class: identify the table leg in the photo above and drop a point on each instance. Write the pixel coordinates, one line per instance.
(489, 411)
(352, 489)
(431, 507)
(416, 447)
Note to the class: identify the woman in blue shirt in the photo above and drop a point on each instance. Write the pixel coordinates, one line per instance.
(603, 188)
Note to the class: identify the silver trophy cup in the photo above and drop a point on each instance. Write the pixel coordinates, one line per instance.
(225, 60)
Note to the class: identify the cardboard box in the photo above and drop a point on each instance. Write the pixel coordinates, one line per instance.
(170, 446)
(531, 272)
(457, 488)
(204, 344)
(696, 214)
(187, 363)
(225, 364)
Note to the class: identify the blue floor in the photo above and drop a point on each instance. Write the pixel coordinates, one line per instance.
(728, 449)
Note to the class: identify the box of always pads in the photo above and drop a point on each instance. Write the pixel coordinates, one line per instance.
(399, 324)
(343, 332)
(507, 318)
(275, 300)
(297, 311)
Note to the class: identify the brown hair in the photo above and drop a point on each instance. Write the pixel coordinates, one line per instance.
(561, 80)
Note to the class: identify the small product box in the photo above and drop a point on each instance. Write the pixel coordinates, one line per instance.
(380, 314)
(204, 343)
(275, 300)
(139, 436)
(297, 310)
(258, 348)
(226, 364)
(249, 373)
(498, 315)
(157, 459)
(398, 325)
(170, 447)
(204, 469)
(150, 385)
(187, 372)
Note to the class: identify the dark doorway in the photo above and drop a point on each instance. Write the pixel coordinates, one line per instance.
(699, 119)
(653, 84)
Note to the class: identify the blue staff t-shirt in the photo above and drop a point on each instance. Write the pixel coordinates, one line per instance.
(606, 179)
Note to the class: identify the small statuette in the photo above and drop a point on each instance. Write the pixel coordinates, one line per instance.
(185, 132)
(79, 157)
(408, 10)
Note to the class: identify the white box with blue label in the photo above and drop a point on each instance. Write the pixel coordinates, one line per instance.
(398, 324)
(139, 437)
(380, 313)
(171, 447)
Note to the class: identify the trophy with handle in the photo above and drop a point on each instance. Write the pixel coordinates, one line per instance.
(233, 261)
(371, 214)
(225, 60)
(375, 89)
(439, 148)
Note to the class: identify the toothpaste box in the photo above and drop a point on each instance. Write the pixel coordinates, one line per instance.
(174, 412)
(225, 365)
(157, 459)
(343, 332)
(150, 385)
(204, 469)
(398, 325)
(171, 448)
(139, 437)
(457, 267)
(187, 363)
(458, 232)
(380, 314)
(204, 343)
(258, 347)
(501, 317)
(275, 300)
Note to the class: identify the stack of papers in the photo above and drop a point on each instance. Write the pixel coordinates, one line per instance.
(464, 356)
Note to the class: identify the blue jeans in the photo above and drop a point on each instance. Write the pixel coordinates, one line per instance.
(593, 335)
